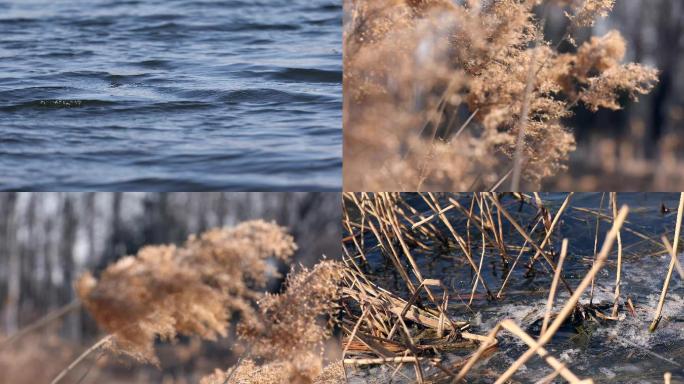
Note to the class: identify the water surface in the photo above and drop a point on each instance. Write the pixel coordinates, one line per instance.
(612, 351)
(170, 94)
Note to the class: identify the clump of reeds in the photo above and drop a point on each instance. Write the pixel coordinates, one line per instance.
(196, 289)
(414, 324)
(444, 94)
(289, 327)
(193, 290)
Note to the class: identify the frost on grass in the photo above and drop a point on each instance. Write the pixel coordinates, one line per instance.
(417, 70)
(197, 288)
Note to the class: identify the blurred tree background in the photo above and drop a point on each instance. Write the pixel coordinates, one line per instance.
(48, 239)
(644, 142)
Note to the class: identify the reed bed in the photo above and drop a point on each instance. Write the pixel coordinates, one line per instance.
(414, 319)
(470, 95)
(384, 306)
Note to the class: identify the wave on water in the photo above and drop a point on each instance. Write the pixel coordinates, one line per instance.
(171, 95)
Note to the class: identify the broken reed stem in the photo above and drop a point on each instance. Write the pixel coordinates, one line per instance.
(666, 284)
(670, 251)
(348, 224)
(484, 345)
(353, 333)
(554, 285)
(383, 360)
(389, 248)
(513, 328)
(572, 301)
(618, 275)
(394, 223)
(527, 237)
(461, 242)
(43, 321)
(515, 262)
(598, 225)
(496, 186)
(429, 218)
(85, 354)
(463, 127)
(555, 221)
(479, 268)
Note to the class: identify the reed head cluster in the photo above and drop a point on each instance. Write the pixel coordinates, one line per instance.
(437, 91)
(194, 289)
(197, 289)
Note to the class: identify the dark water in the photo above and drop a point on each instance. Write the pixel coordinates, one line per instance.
(170, 94)
(620, 351)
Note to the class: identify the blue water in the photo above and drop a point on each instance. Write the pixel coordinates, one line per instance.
(170, 94)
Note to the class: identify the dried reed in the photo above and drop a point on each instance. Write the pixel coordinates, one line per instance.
(197, 288)
(412, 326)
(416, 70)
(673, 261)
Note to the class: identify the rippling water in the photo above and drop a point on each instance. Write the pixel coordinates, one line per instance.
(170, 94)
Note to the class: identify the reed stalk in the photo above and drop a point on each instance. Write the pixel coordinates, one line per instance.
(618, 276)
(572, 301)
(554, 285)
(666, 284)
(596, 235)
(102, 342)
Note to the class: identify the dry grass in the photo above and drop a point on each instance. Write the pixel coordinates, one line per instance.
(191, 290)
(442, 95)
(214, 279)
(415, 325)
(217, 279)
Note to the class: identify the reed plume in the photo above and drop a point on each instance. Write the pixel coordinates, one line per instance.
(194, 289)
(198, 288)
(443, 94)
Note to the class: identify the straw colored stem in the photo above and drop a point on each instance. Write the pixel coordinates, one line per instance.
(484, 346)
(666, 284)
(512, 327)
(479, 270)
(461, 242)
(670, 251)
(552, 227)
(554, 285)
(522, 124)
(43, 321)
(384, 360)
(598, 225)
(515, 262)
(618, 276)
(78, 360)
(570, 305)
(527, 237)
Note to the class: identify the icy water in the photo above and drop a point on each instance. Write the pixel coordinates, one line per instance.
(170, 94)
(622, 351)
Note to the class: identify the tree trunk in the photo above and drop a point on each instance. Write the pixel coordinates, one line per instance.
(13, 265)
